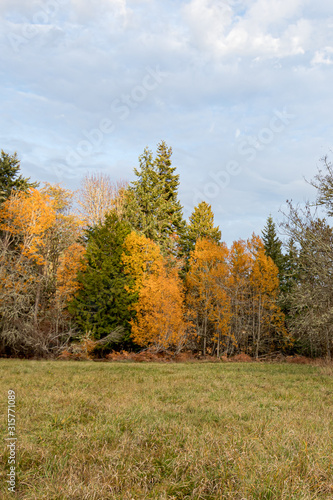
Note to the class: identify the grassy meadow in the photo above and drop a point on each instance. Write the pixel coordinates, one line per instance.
(240, 431)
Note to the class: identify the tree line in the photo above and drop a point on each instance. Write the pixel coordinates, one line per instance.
(115, 266)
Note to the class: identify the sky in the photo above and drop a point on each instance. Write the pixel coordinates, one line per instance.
(240, 89)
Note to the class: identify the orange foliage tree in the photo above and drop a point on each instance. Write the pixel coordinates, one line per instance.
(65, 254)
(160, 321)
(240, 263)
(207, 284)
(26, 217)
(267, 317)
(37, 233)
(221, 310)
(70, 264)
(142, 257)
(257, 320)
(233, 297)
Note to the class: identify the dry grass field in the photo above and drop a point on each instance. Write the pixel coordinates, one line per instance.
(204, 431)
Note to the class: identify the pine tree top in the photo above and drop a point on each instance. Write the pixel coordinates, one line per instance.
(10, 179)
(273, 244)
(200, 225)
(270, 238)
(153, 207)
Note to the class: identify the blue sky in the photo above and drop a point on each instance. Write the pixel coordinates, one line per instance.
(240, 89)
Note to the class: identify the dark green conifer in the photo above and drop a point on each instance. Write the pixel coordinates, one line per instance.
(170, 184)
(273, 246)
(152, 205)
(10, 179)
(102, 302)
(201, 225)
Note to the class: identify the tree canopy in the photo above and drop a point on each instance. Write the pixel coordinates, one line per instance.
(10, 178)
(128, 272)
(152, 206)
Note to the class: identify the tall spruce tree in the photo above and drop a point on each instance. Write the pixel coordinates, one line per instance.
(152, 206)
(170, 182)
(10, 179)
(102, 302)
(273, 246)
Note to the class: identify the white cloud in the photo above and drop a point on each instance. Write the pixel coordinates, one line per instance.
(207, 20)
(324, 56)
(268, 13)
(267, 28)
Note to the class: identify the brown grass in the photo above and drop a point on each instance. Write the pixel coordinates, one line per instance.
(178, 431)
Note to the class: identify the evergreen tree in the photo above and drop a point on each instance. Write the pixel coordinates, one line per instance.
(201, 225)
(103, 300)
(153, 208)
(273, 246)
(286, 264)
(170, 182)
(10, 180)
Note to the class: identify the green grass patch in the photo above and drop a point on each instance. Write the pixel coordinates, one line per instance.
(201, 431)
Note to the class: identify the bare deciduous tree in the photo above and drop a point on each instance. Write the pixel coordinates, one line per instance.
(311, 296)
(98, 196)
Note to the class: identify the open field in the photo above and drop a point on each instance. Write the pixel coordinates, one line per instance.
(170, 431)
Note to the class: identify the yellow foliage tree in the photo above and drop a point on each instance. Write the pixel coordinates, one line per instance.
(207, 284)
(221, 310)
(142, 257)
(39, 251)
(267, 317)
(233, 297)
(160, 321)
(240, 262)
(29, 216)
(70, 264)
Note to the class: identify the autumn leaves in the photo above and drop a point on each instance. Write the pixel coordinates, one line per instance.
(232, 295)
(39, 260)
(227, 302)
(160, 319)
(127, 272)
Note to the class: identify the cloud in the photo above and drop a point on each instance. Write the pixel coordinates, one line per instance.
(324, 56)
(226, 66)
(264, 30)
